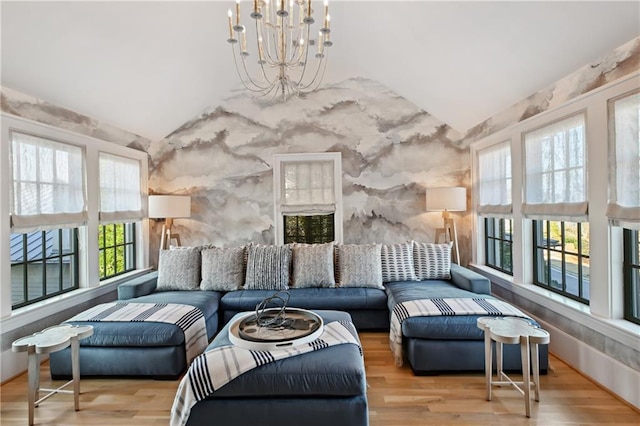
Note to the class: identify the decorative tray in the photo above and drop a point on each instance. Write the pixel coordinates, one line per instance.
(296, 327)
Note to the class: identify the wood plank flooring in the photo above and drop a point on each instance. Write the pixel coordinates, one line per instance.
(396, 397)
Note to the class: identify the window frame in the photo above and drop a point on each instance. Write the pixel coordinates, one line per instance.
(88, 268)
(44, 260)
(502, 241)
(278, 181)
(563, 253)
(102, 248)
(631, 251)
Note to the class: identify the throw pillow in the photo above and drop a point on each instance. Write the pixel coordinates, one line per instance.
(432, 261)
(359, 265)
(397, 262)
(312, 265)
(222, 269)
(268, 268)
(179, 269)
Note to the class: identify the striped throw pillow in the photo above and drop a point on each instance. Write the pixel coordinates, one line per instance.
(432, 261)
(397, 262)
(268, 268)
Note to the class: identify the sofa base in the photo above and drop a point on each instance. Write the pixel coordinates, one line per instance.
(432, 357)
(157, 362)
(320, 411)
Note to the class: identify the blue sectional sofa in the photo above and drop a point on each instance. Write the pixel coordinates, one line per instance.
(431, 344)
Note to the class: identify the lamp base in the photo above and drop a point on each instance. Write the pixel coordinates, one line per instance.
(167, 236)
(450, 233)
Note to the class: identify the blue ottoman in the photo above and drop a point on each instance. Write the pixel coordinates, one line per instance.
(141, 349)
(325, 387)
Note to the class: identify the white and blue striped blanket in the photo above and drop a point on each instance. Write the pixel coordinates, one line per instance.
(443, 307)
(218, 366)
(189, 318)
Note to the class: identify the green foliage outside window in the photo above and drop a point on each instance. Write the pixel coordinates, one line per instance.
(116, 243)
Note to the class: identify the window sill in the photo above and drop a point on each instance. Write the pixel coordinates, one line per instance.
(39, 310)
(620, 330)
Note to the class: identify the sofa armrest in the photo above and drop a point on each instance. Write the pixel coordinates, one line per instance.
(469, 280)
(139, 286)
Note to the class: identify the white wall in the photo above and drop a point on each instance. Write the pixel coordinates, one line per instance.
(601, 320)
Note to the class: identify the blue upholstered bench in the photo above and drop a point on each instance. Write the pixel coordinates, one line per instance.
(149, 349)
(325, 387)
(438, 344)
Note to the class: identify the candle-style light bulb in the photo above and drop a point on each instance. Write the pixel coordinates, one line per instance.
(230, 24)
(319, 42)
(326, 13)
(237, 12)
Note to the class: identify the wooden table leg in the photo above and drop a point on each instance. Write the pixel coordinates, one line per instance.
(75, 371)
(34, 380)
(535, 365)
(488, 363)
(526, 378)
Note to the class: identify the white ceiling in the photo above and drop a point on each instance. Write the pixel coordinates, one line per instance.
(148, 67)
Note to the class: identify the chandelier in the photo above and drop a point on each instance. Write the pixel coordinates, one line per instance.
(286, 60)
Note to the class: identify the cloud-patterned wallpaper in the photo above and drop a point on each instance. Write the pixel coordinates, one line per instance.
(391, 151)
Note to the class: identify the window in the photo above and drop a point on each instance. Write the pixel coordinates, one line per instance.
(632, 275)
(309, 229)
(561, 258)
(498, 244)
(43, 264)
(494, 180)
(555, 171)
(48, 183)
(117, 249)
(308, 197)
(624, 161)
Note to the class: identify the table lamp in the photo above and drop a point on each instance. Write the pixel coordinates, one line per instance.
(169, 207)
(445, 200)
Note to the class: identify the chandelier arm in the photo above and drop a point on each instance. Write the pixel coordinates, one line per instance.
(315, 82)
(305, 52)
(256, 88)
(260, 34)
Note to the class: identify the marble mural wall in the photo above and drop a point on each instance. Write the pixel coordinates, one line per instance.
(391, 151)
(620, 62)
(27, 106)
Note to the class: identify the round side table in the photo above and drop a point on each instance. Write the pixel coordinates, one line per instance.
(511, 330)
(50, 340)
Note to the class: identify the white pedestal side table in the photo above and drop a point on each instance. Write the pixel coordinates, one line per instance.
(511, 330)
(50, 340)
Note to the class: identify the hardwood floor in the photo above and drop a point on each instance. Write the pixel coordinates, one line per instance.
(396, 397)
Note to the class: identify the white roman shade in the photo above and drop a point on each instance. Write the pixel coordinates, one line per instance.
(494, 180)
(120, 191)
(624, 161)
(48, 189)
(308, 188)
(555, 171)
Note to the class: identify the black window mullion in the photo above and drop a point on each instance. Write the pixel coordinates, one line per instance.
(61, 266)
(43, 236)
(25, 269)
(580, 292)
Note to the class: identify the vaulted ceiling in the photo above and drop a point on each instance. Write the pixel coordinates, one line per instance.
(148, 67)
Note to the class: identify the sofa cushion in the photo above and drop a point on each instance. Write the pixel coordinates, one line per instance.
(312, 265)
(359, 265)
(310, 298)
(179, 269)
(336, 371)
(268, 267)
(207, 301)
(222, 269)
(397, 262)
(432, 261)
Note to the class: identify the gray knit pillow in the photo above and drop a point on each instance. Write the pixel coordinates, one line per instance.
(179, 269)
(312, 265)
(268, 268)
(222, 269)
(397, 262)
(359, 265)
(432, 261)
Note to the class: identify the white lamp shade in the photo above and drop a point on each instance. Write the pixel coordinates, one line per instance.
(453, 199)
(169, 206)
